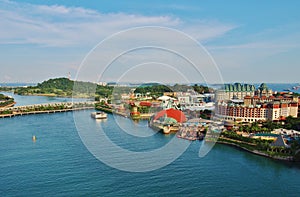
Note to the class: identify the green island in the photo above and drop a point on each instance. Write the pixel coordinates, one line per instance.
(63, 87)
(156, 90)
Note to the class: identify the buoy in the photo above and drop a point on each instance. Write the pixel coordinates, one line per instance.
(33, 138)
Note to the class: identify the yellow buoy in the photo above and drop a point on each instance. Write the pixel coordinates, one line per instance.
(33, 138)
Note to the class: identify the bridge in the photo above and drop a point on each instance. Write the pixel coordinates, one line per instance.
(45, 108)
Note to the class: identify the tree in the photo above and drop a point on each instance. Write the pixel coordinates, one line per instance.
(292, 123)
(241, 128)
(247, 128)
(254, 127)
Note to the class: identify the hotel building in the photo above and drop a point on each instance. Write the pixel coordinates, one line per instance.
(253, 109)
(239, 91)
(244, 103)
(235, 91)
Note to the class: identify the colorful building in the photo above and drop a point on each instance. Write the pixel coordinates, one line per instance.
(192, 100)
(235, 91)
(256, 108)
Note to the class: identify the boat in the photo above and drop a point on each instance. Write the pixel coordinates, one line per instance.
(99, 115)
(33, 138)
(190, 133)
(296, 87)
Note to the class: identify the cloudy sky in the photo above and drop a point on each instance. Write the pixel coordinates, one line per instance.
(248, 41)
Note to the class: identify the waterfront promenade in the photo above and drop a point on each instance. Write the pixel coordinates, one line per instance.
(45, 108)
(144, 116)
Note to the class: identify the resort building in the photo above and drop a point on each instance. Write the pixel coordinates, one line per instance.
(139, 96)
(192, 100)
(255, 108)
(288, 132)
(263, 90)
(167, 102)
(190, 96)
(239, 91)
(102, 83)
(265, 136)
(235, 91)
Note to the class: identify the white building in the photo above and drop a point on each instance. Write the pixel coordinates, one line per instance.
(192, 100)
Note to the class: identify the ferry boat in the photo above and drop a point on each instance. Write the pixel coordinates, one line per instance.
(99, 115)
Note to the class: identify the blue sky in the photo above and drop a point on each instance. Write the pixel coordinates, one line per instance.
(251, 41)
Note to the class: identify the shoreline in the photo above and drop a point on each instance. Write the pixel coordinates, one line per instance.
(8, 105)
(256, 152)
(51, 95)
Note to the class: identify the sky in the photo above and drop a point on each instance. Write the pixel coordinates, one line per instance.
(245, 41)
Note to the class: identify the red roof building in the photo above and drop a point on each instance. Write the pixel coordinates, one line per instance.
(145, 104)
(171, 113)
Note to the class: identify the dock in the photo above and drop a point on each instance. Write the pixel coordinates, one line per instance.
(46, 108)
(123, 113)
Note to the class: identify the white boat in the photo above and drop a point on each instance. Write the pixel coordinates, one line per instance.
(99, 115)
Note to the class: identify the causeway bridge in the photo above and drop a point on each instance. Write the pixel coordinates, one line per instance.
(45, 108)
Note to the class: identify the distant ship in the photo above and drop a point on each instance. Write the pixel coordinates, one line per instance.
(296, 87)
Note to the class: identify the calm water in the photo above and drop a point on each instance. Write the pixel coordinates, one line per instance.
(282, 87)
(59, 164)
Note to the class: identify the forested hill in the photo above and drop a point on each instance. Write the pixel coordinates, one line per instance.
(159, 89)
(58, 83)
(65, 87)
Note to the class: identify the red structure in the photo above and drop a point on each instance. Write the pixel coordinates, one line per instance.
(145, 104)
(171, 113)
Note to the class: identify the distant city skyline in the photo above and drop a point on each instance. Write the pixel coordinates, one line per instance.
(250, 41)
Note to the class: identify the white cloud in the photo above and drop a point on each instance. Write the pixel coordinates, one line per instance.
(205, 30)
(62, 10)
(58, 25)
(78, 29)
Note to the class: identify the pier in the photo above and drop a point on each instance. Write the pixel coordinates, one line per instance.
(124, 113)
(45, 108)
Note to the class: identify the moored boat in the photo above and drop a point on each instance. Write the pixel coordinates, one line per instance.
(190, 133)
(99, 115)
